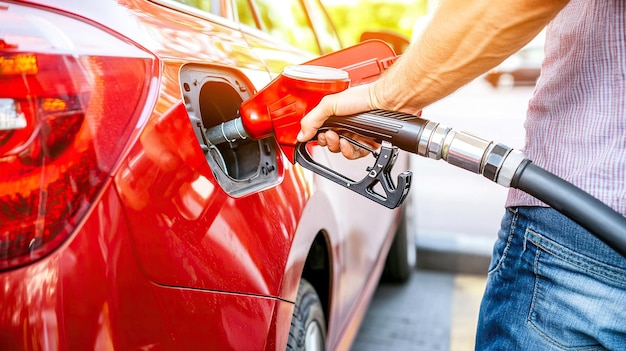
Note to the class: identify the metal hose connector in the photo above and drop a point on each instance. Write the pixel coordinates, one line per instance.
(495, 162)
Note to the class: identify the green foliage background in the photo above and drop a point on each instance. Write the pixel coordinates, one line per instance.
(351, 19)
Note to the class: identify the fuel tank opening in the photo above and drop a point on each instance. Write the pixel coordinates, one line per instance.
(219, 103)
(213, 96)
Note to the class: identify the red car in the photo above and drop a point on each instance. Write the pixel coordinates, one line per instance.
(122, 230)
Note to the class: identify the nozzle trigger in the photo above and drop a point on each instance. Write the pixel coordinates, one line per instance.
(379, 173)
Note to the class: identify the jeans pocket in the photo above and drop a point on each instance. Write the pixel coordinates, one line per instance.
(578, 302)
(505, 238)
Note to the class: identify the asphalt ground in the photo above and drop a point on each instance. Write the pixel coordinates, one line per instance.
(433, 311)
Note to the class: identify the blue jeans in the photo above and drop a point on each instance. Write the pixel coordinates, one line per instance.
(552, 286)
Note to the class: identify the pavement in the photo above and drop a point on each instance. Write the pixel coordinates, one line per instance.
(433, 311)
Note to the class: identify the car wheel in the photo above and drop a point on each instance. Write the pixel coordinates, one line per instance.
(308, 324)
(402, 255)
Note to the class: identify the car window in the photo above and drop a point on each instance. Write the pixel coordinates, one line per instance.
(326, 32)
(204, 5)
(245, 14)
(286, 20)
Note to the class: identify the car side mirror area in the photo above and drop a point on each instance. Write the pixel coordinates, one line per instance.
(398, 42)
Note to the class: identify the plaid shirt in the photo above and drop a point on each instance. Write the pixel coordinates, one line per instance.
(576, 121)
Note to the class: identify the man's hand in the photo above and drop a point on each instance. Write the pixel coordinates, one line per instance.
(348, 102)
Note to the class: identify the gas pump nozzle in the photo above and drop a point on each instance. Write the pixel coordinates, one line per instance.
(278, 108)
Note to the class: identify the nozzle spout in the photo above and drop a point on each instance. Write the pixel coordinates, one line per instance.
(228, 131)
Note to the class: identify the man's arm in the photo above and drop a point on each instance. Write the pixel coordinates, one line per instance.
(464, 39)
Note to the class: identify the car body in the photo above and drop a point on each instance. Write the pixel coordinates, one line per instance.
(122, 231)
(520, 69)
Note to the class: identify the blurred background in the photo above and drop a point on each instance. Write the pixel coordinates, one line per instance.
(454, 214)
(353, 17)
(453, 210)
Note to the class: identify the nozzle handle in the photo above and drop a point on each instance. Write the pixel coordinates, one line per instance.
(392, 195)
(400, 129)
(395, 131)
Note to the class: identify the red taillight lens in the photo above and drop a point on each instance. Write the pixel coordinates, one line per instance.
(70, 97)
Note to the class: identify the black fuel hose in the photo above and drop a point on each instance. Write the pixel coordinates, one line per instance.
(584, 209)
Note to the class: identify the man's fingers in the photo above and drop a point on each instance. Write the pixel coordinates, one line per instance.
(351, 151)
(332, 141)
(321, 139)
(311, 123)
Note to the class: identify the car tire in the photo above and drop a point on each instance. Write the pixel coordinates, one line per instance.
(308, 324)
(402, 255)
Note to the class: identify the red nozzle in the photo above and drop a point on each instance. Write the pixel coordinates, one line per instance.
(279, 107)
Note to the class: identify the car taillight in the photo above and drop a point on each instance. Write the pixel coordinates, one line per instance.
(71, 95)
